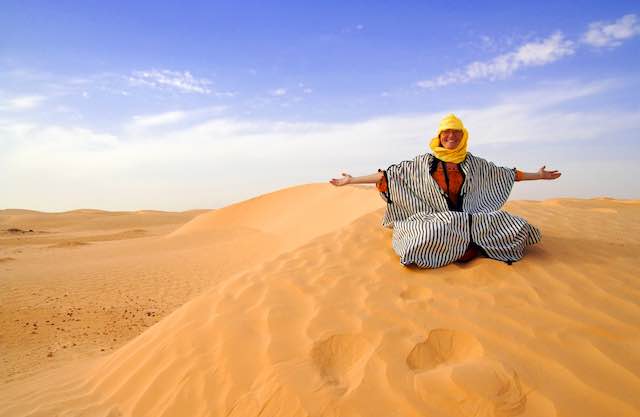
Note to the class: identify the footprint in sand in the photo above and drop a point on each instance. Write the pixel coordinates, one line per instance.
(453, 373)
(443, 346)
(341, 359)
(490, 390)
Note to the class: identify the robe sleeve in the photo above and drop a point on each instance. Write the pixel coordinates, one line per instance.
(489, 186)
(406, 190)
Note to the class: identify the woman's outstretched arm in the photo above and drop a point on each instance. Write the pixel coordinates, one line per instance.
(542, 174)
(348, 179)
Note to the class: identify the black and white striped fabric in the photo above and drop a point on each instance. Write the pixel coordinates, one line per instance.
(426, 233)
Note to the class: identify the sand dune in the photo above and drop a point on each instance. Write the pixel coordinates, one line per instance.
(298, 306)
(90, 220)
(293, 215)
(80, 293)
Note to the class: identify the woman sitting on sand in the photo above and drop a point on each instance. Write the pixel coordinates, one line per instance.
(445, 206)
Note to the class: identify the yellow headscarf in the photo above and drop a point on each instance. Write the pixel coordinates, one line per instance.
(457, 155)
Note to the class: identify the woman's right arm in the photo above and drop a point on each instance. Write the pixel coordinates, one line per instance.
(542, 174)
(348, 179)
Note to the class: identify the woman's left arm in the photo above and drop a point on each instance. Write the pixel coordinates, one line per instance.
(542, 174)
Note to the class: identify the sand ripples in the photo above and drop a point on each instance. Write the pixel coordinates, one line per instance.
(336, 326)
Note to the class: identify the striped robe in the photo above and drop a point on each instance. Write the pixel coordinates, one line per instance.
(426, 233)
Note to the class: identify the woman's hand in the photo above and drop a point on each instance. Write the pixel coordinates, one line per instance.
(543, 174)
(346, 179)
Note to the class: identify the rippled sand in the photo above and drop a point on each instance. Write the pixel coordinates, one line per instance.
(294, 304)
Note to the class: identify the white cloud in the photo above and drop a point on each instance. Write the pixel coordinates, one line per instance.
(551, 49)
(168, 118)
(541, 53)
(530, 54)
(15, 129)
(278, 92)
(174, 80)
(602, 34)
(159, 119)
(23, 102)
(179, 166)
(38, 142)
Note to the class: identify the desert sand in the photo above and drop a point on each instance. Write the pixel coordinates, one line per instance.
(294, 304)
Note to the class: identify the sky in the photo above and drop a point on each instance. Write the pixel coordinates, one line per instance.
(181, 105)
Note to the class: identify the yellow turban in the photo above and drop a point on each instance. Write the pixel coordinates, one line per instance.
(458, 154)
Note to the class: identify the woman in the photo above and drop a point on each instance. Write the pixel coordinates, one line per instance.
(445, 206)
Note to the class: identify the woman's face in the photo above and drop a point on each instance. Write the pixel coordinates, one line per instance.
(450, 138)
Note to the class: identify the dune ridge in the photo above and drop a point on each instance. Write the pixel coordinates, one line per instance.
(325, 321)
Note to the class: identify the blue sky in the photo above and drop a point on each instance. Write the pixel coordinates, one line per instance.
(178, 105)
